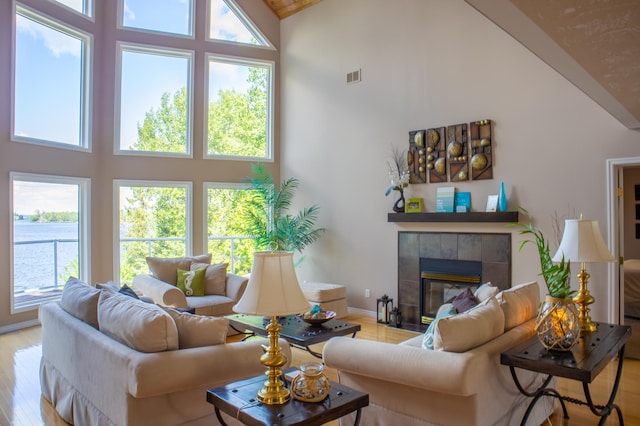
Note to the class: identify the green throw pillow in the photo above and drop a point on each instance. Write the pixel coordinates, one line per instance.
(427, 339)
(191, 282)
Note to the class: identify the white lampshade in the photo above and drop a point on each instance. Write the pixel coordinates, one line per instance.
(582, 242)
(273, 288)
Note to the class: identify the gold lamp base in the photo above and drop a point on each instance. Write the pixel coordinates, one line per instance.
(274, 391)
(583, 299)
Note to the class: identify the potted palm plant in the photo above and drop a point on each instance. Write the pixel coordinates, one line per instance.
(557, 325)
(267, 218)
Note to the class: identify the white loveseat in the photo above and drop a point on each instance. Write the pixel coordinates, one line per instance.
(92, 376)
(409, 385)
(222, 290)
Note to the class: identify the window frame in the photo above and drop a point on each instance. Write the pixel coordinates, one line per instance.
(86, 89)
(89, 9)
(270, 119)
(84, 228)
(121, 47)
(118, 183)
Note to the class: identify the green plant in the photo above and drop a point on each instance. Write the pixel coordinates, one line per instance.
(267, 218)
(556, 276)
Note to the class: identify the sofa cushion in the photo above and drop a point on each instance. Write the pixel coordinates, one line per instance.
(215, 279)
(465, 301)
(519, 303)
(195, 331)
(166, 268)
(485, 291)
(465, 331)
(427, 339)
(142, 326)
(191, 282)
(80, 300)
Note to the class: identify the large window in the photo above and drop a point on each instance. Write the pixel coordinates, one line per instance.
(153, 219)
(239, 108)
(49, 236)
(155, 100)
(51, 96)
(84, 7)
(227, 226)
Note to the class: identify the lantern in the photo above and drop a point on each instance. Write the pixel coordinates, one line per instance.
(384, 307)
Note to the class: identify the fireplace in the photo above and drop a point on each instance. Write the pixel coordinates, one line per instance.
(435, 266)
(443, 279)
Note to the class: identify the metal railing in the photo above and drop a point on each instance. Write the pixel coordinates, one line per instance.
(55, 242)
(233, 242)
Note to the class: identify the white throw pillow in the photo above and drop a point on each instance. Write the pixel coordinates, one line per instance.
(195, 331)
(485, 291)
(465, 331)
(215, 278)
(519, 303)
(141, 326)
(166, 268)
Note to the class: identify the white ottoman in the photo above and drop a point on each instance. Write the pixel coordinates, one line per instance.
(330, 297)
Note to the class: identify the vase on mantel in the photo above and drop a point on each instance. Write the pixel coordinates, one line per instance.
(502, 199)
(398, 206)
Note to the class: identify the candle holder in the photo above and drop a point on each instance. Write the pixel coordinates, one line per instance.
(384, 305)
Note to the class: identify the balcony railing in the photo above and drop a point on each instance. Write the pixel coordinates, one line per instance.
(46, 292)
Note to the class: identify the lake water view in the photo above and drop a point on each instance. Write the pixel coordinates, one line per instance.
(34, 264)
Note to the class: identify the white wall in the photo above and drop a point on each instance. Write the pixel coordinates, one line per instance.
(430, 63)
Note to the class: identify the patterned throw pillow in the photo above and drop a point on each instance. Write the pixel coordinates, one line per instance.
(427, 340)
(191, 282)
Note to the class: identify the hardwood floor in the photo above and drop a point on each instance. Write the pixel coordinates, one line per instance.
(22, 405)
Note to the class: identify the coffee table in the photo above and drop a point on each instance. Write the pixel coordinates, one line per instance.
(238, 400)
(294, 329)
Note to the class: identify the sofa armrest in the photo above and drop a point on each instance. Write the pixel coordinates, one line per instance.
(208, 366)
(438, 371)
(236, 285)
(161, 292)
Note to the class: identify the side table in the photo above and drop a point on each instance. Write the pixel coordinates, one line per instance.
(583, 363)
(238, 400)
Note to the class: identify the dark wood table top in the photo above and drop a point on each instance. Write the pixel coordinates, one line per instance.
(238, 400)
(583, 362)
(294, 329)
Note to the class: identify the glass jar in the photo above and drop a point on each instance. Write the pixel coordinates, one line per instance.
(311, 385)
(558, 324)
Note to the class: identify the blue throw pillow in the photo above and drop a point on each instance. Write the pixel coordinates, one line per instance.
(128, 291)
(427, 340)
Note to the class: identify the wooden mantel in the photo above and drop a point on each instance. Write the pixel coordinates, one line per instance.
(469, 217)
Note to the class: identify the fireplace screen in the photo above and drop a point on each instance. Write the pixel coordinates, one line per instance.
(442, 280)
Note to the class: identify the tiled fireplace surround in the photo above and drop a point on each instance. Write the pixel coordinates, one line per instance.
(492, 249)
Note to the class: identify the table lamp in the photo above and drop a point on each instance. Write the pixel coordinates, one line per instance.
(273, 290)
(582, 242)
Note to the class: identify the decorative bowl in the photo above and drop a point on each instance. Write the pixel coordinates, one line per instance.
(319, 318)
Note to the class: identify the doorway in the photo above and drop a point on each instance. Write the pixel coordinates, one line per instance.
(623, 292)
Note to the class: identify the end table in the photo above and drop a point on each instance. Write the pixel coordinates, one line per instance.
(583, 363)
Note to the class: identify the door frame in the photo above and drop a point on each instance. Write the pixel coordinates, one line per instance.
(615, 233)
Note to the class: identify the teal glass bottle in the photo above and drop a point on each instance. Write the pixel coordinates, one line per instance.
(502, 199)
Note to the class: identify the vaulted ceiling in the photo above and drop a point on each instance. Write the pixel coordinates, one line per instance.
(595, 44)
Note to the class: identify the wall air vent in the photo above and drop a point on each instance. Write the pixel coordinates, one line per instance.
(354, 77)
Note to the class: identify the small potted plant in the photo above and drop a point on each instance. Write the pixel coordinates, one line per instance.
(557, 325)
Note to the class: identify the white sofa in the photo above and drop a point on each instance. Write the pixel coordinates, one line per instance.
(92, 378)
(222, 289)
(409, 385)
